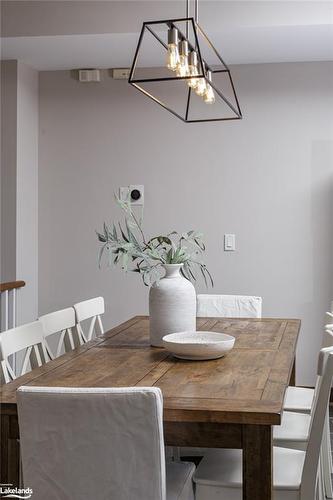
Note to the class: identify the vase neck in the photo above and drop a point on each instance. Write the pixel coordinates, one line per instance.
(172, 270)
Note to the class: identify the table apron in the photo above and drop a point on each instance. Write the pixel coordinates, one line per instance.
(203, 434)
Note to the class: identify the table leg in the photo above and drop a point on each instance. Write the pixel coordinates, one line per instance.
(257, 462)
(10, 459)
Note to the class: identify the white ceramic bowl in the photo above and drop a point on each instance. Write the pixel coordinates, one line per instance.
(198, 345)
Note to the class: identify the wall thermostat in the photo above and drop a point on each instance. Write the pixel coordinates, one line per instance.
(134, 193)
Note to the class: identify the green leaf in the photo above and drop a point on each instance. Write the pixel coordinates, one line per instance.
(101, 237)
(122, 233)
(114, 232)
(100, 255)
(106, 232)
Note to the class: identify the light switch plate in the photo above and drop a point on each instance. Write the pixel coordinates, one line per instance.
(229, 242)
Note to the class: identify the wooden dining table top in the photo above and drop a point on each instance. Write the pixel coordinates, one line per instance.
(246, 386)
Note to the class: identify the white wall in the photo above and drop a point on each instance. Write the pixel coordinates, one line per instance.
(268, 179)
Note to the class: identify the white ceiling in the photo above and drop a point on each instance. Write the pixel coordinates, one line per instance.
(265, 34)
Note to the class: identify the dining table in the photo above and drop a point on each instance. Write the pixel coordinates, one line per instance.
(230, 402)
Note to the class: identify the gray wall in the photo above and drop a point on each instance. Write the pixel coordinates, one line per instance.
(27, 192)
(268, 179)
(8, 168)
(19, 183)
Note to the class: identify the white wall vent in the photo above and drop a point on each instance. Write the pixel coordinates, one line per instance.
(89, 75)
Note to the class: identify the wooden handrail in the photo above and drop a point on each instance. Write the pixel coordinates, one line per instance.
(10, 285)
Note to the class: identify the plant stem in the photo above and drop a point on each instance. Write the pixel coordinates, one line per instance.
(139, 227)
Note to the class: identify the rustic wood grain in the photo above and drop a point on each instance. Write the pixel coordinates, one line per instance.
(229, 402)
(257, 462)
(246, 385)
(207, 435)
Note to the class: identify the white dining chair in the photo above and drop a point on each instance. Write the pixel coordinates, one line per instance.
(61, 323)
(295, 472)
(92, 310)
(26, 338)
(222, 306)
(228, 306)
(98, 443)
(300, 400)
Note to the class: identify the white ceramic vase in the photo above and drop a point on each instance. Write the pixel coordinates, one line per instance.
(172, 305)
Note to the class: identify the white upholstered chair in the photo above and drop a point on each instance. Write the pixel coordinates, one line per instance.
(92, 310)
(222, 306)
(26, 339)
(99, 444)
(60, 322)
(295, 472)
(228, 306)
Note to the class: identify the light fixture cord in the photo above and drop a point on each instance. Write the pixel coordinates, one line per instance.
(187, 16)
(196, 11)
(196, 14)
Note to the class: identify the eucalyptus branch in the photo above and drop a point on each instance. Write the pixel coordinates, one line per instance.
(123, 246)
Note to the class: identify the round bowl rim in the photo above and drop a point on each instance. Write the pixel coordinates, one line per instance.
(211, 342)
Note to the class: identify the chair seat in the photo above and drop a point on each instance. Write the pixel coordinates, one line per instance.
(223, 468)
(294, 427)
(298, 399)
(179, 484)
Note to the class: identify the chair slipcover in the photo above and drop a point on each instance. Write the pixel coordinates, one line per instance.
(228, 306)
(105, 444)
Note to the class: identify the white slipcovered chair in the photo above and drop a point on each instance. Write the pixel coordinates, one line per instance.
(295, 472)
(60, 322)
(27, 339)
(222, 306)
(228, 306)
(92, 310)
(99, 444)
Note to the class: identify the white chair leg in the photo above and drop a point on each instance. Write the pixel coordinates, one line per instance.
(326, 460)
(320, 493)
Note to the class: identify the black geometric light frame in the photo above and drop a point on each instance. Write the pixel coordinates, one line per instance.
(220, 68)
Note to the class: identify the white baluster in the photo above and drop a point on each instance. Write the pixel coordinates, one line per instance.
(14, 308)
(6, 312)
(14, 324)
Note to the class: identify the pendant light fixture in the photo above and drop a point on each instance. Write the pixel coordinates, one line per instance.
(177, 66)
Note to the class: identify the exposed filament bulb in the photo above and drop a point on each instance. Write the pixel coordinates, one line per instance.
(193, 69)
(183, 67)
(173, 52)
(209, 96)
